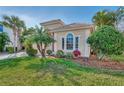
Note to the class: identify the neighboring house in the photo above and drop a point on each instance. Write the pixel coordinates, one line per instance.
(10, 34)
(69, 37)
(1, 28)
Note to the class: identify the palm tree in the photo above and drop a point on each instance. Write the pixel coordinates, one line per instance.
(41, 38)
(104, 18)
(111, 18)
(25, 41)
(26, 32)
(21, 27)
(16, 25)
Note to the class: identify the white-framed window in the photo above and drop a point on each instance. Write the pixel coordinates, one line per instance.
(69, 41)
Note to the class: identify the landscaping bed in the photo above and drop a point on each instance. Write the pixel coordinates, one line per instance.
(107, 64)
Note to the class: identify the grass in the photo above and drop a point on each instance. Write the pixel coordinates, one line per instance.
(36, 71)
(117, 58)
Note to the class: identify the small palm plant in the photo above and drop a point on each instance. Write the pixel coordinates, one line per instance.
(41, 38)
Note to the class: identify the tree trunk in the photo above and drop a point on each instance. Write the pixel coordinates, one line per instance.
(42, 50)
(39, 49)
(43, 53)
(15, 38)
(18, 42)
(101, 56)
(14, 42)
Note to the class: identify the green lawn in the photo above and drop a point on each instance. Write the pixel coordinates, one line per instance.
(117, 58)
(36, 71)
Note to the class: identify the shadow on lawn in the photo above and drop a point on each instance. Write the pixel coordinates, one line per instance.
(61, 67)
(9, 63)
(48, 67)
(65, 72)
(59, 72)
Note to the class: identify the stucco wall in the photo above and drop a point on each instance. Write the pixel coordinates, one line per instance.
(83, 46)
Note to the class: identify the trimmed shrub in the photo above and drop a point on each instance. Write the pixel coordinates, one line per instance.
(106, 40)
(60, 53)
(10, 49)
(31, 51)
(49, 52)
(76, 53)
(69, 55)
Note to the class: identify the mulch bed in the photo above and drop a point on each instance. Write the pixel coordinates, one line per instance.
(106, 64)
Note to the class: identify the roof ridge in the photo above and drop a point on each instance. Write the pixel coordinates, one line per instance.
(54, 20)
(71, 25)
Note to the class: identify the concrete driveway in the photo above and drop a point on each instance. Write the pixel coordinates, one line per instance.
(14, 55)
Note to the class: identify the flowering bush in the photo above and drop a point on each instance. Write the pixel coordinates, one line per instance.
(76, 53)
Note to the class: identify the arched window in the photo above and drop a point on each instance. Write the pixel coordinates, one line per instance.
(69, 42)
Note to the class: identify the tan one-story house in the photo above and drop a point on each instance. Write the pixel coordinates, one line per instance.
(69, 37)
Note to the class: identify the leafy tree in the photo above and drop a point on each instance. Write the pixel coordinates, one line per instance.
(104, 18)
(4, 40)
(41, 38)
(106, 40)
(16, 25)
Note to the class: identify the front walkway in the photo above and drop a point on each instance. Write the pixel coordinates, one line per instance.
(14, 55)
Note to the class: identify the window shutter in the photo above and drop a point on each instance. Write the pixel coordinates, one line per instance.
(63, 43)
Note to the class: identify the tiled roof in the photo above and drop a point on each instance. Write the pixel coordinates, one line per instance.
(72, 26)
(52, 22)
(64, 27)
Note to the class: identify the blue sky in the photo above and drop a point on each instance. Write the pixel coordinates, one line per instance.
(69, 14)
